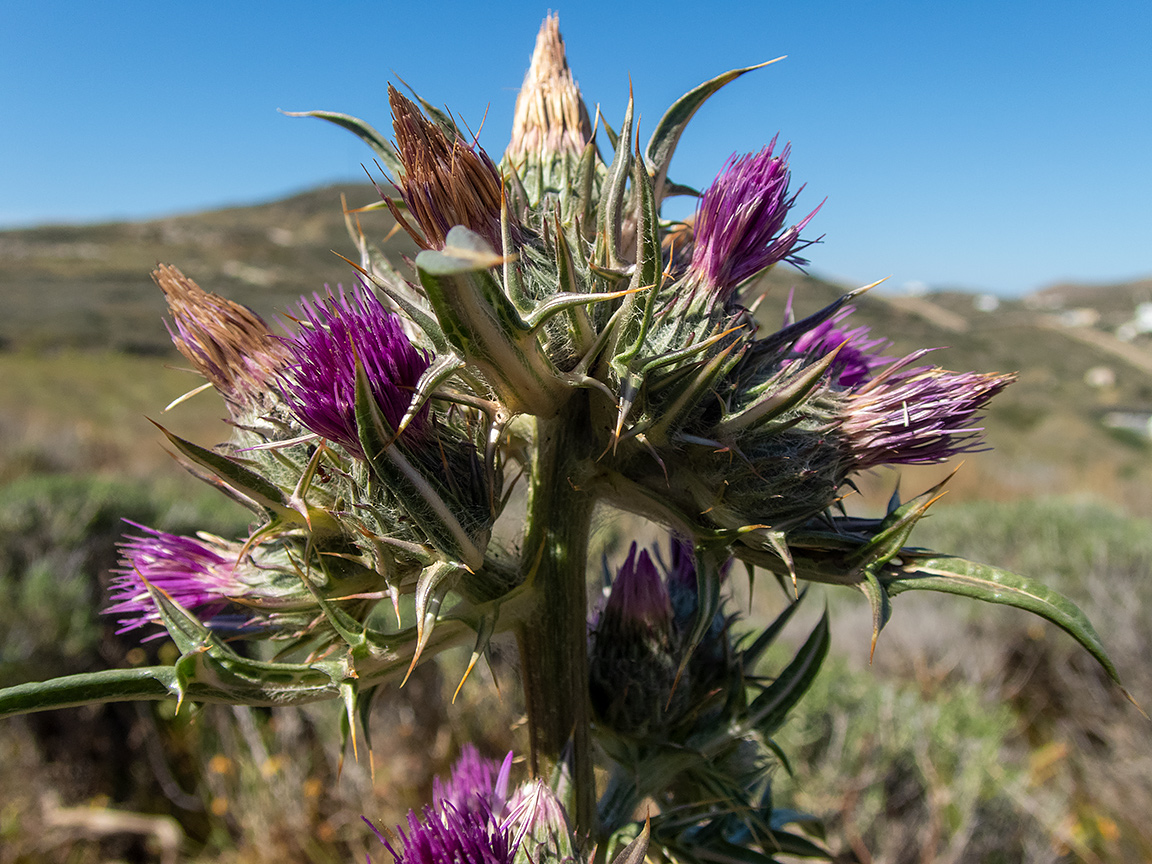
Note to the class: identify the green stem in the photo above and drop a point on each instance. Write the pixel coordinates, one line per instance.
(112, 685)
(554, 642)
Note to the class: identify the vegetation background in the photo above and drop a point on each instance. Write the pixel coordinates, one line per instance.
(977, 734)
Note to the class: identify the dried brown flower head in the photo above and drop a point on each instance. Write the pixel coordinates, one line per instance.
(446, 181)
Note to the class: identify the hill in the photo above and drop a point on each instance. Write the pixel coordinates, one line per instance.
(1075, 422)
(88, 286)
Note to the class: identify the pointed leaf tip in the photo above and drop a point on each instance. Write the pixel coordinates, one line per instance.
(993, 585)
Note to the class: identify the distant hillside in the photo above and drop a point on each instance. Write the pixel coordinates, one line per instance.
(88, 287)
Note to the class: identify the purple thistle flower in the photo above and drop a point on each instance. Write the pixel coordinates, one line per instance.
(319, 384)
(917, 416)
(448, 835)
(857, 360)
(739, 225)
(631, 667)
(200, 575)
(475, 780)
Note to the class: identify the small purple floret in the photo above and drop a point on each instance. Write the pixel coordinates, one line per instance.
(739, 227)
(198, 575)
(639, 596)
(474, 780)
(918, 416)
(856, 361)
(320, 382)
(447, 835)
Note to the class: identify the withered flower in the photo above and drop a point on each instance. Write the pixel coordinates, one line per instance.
(229, 344)
(446, 181)
(550, 117)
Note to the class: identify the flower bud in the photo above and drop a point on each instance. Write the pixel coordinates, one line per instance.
(631, 662)
(539, 825)
(551, 118)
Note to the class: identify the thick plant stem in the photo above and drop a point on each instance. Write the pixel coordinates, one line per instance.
(111, 685)
(554, 641)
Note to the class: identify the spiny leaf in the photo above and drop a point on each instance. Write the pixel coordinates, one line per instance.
(609, 219)
(484, 325)
(636, 314)
(237, 477)
(109, 685)
(379, 144)
(417, 493)
(691, 394)
(881, 607)
(994, 585)
(580, 205)
(707, 605)
(779, 399)
(635, 851)
(666, 136)
(754, 651)
(365, 697)
(892, 532)
(770, 708)
(487, 626)
(785, 336)
(434, 585)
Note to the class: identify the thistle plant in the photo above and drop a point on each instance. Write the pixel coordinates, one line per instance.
(555, 332)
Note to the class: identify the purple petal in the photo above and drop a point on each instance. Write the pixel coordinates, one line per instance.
(918, 416)
(196, 574)
(320, 382)
(739, 226)
(450, 836)
(856, 361)
(474, 780)
(639, 595)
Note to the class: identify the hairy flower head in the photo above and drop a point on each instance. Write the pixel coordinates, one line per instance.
(446, 180)
(639, 598)
(201, 574)
(631, 662)
(739, 225)
(917, 416)
(550, 116)
(474, 781)
(229, 344)
(319, 383)
(448, 835)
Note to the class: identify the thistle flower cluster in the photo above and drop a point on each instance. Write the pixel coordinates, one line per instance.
(556, 334)
(553, 326)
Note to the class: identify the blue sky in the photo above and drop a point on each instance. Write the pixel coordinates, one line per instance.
(996, 146)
